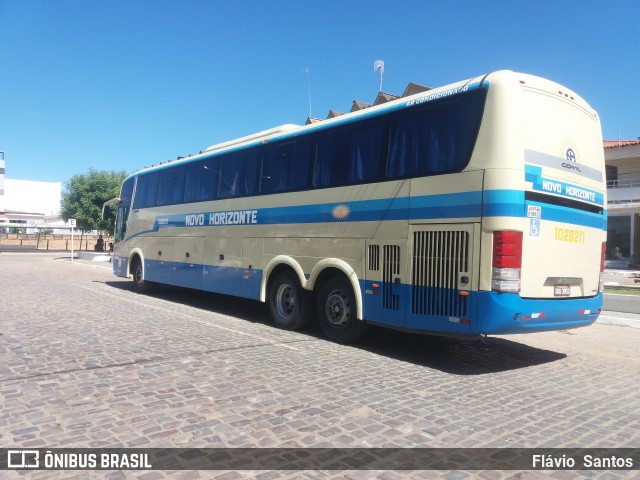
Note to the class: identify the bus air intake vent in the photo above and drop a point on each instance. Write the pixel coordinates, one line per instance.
(390, 271)
(374, 258)
(439, 257)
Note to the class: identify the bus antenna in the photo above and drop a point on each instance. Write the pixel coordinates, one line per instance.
(378, 66)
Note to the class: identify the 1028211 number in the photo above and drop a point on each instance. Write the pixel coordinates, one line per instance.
(569, 235)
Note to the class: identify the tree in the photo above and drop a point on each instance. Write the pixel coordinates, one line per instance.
(84, 195)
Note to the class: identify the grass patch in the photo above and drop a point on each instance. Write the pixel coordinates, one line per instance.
(622, 290)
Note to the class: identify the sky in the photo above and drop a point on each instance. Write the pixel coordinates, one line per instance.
(123, 84)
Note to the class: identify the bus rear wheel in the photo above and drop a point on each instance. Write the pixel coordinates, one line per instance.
(289, 303)
(337, 311)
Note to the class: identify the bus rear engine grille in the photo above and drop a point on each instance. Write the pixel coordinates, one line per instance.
(439, 257)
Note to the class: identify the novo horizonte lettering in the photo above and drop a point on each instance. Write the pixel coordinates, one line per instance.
(236, 217)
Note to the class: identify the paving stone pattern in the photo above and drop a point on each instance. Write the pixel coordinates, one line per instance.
(86, 362)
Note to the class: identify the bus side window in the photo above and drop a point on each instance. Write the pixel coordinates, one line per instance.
(239, 174)
(332, 150)
(348, 156)
(127, 191)
(171, 186)
(437, 139)
(122, 214)
(366, 154)
(146, 191)
(121, 222)
(285, 167)
(403, 148)
(451, 134)
(202, 181)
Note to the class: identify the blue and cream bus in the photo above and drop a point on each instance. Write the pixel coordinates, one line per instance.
(475, 208)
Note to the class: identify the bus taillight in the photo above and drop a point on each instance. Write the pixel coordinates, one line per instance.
(507, 261)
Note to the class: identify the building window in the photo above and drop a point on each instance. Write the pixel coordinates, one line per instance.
(612, 176)
(619, 238)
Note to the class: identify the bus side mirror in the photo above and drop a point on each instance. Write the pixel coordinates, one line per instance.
(106, 205)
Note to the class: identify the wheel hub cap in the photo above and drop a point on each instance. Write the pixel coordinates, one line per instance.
(285, 300)
(337, 309)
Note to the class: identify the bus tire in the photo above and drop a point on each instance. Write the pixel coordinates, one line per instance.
(140, 285)
(290, 305)
(337, 311)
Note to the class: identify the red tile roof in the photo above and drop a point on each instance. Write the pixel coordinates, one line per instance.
(620, 143)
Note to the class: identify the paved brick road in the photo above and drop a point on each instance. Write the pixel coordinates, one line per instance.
(85, 362)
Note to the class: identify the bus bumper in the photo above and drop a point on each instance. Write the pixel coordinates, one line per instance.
(505, 313)
(120, 266)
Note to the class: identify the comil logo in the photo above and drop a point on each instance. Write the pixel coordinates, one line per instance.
(570, 164)
(23, 459)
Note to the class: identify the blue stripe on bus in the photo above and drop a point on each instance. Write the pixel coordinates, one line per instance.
(236, 281)
(452, 205)
(491, 203)
(503, 203)
(462, 205)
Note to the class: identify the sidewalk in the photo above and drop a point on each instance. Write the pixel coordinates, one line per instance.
(621, 278)
(619, 319)
(66, 257)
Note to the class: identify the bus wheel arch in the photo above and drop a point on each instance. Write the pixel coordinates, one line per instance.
(276, 266)
(330, 267)
(291, 306)
(338, 307)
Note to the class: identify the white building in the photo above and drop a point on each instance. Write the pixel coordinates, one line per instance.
(622, 159)
(25, 203)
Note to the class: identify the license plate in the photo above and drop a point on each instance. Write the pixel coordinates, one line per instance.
(561, 290)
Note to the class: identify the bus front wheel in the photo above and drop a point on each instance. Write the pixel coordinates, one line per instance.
(337, 311)
(140, 285)
(289, 303)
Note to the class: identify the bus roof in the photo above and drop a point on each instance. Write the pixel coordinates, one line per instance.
(263, 135)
